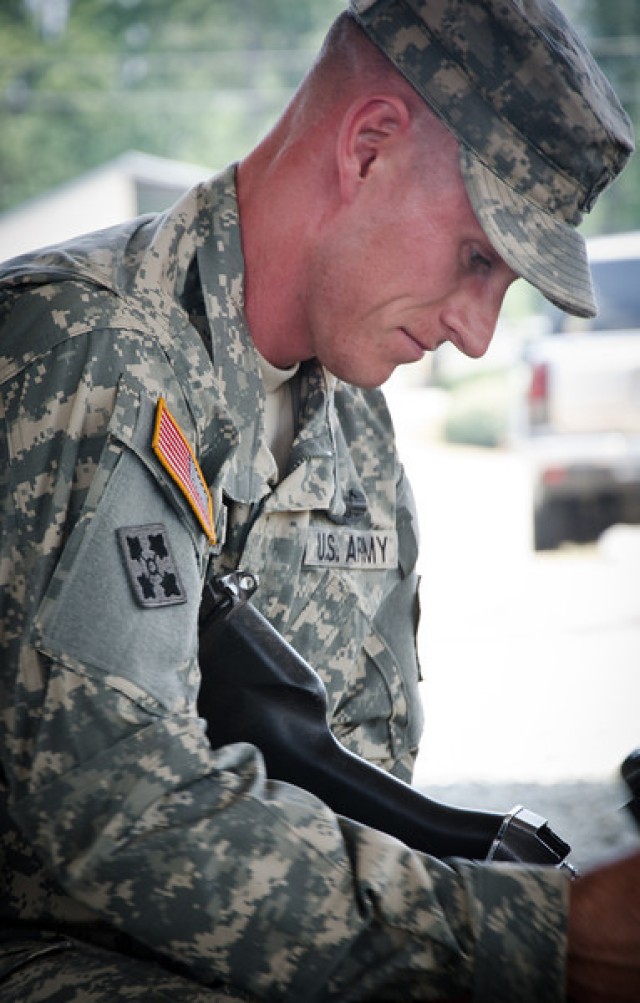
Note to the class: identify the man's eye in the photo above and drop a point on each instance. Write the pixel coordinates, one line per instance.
(479, 262)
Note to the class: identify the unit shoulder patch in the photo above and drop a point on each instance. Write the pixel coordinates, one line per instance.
(151, 568)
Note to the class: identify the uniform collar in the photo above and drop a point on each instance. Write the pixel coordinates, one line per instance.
(319, 461)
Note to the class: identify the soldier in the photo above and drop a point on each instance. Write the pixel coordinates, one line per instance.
(196, 391)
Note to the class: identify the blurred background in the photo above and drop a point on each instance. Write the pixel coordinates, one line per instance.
(526, 464)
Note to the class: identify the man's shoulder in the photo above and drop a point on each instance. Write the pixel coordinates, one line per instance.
(51, 293)
(142, 252)
(111, 278)
(49, 299)
(95, 257)
(133, 272)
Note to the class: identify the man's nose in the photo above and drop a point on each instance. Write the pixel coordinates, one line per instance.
(471, 322)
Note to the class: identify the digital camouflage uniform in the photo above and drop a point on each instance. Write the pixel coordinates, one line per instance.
(136, 860)
(119, 824)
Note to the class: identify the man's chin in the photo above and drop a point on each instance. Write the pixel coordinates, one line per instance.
(363, 378)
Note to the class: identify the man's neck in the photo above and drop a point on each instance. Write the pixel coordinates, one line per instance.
(278, 220)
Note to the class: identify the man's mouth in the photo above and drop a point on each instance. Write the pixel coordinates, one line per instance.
(418, 350)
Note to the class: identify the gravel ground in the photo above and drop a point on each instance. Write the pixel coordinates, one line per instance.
(588, 815)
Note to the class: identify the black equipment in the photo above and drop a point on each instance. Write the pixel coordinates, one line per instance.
(256, 688)
(630, 772)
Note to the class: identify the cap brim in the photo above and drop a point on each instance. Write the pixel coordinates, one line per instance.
(547, 252)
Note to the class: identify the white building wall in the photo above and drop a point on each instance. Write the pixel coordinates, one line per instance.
(94, 200)
(90, 203)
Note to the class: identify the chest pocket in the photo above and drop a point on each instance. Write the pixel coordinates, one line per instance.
(355, 624)
(125, 594)
(381, 718)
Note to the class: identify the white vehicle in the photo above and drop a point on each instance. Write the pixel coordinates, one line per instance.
(578, 410)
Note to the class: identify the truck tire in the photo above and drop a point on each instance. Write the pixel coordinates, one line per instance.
(550, 524)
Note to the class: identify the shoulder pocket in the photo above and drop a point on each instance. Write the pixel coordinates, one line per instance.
(125, 595)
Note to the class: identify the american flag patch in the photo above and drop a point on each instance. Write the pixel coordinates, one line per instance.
(176, 456)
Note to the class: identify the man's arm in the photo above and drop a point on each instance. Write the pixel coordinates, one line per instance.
(604, 934)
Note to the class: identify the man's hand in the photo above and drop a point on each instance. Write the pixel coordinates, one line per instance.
(604, 934)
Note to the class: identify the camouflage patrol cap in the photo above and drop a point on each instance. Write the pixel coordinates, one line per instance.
(541, 131)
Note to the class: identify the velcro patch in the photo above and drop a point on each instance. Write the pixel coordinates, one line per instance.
(152, 571)
(367, 550)
(176, 456)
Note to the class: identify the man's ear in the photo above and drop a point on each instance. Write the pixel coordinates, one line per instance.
(370, 128)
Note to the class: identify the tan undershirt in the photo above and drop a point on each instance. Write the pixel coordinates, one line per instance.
(279, 417)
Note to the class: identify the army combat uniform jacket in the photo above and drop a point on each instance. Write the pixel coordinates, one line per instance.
(132, 463)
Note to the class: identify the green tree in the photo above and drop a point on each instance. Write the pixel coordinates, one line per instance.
(612, 29)
(84, 80)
